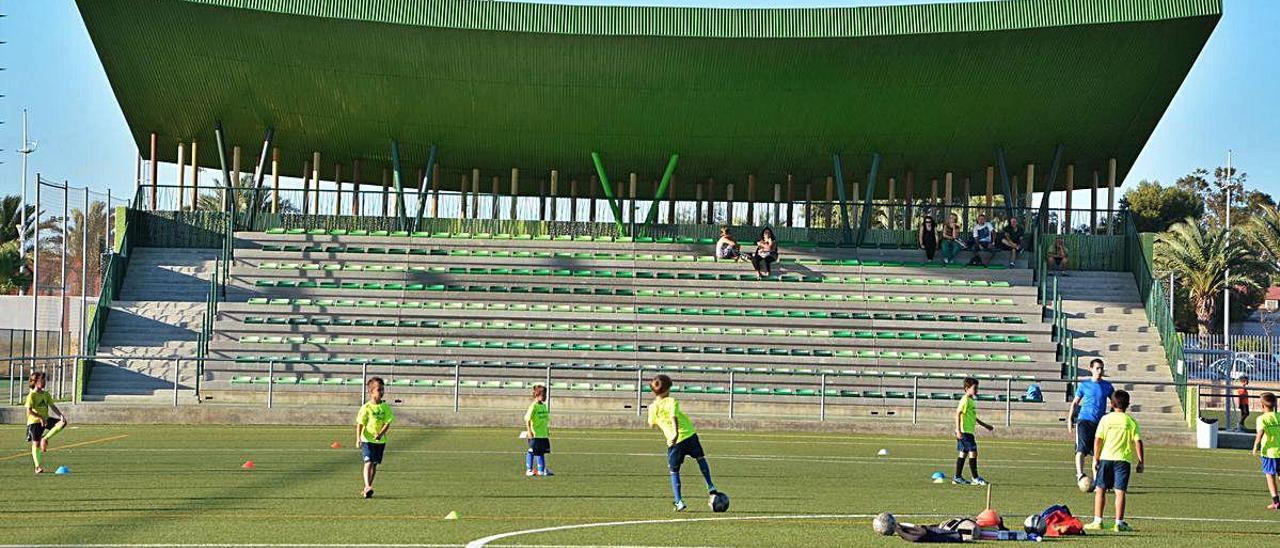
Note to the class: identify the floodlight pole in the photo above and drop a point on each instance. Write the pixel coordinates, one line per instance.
(27, 148)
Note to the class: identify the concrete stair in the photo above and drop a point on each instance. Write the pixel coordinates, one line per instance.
(157, 314)
(1107, 320)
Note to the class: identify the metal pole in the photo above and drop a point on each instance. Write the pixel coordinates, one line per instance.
(1226, 287)
(63, 324)
(1170, 296)
(35, 277)
(27, 148)
(639, 389)
(84, 270)
(731, 394)
(548, 388)
(364, 382)
(457, 382)
(915, 399)
(271, 385)
(177, 368)
(1008, 402)
(822, 398)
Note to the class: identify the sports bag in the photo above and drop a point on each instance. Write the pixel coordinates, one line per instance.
(926, 533)
(1059, 522)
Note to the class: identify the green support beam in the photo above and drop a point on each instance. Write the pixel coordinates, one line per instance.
(1004, 181)
(608, 192)
(866, 202)
(424, 184)
(652, 219)
(398, 177)
(1051, 180)
(846, 235)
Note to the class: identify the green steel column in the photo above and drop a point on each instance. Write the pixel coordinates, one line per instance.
(866, 202)
(1050, 181)
(608, 193)
(652, 219)
(846, 233)
(422, 190)
(398, 178)
(1004, 180)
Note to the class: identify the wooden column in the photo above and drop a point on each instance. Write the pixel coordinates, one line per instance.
(711, 201)
(573, 200)
(1031, 185)
(1111, 196)
(968, 197)
(728, 194)
(275, 180)
(386, 192)
(493, 201)
(909, 198)
(235, 177)
(891, 219)
(1064, 226)
(435, 191)
(697, 203)
(630, 213)
(315, 177)
(337, 185)
(1093, 205)
(791, 200)
(671, 200)
(462, 197)
(751, 199)
(933, 192)
(808, 205)
(195, 175)
(946, 193)
(591, 206)
(777, 204)
(555, 194)
(355, 187)
(832, 221)
(475, 193)
(155, 172)
(542, 199)
(515, 192)
(853, 205)
(182, 175)
(306, 182)
(991, 189)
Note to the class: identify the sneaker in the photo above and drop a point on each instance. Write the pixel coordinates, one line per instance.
(545, 473)
(39, 470)
(680, 506)
(712, 491)
(1011, 265)
(1095, 525)
(959, 481)
(977, 480)
(368, 493)
(530, 473)
(1273, 506)
(1122, 527)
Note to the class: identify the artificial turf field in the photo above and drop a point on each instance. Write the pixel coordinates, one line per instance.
(185, 485)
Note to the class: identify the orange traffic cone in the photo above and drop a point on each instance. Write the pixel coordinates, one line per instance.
(335, 445)
(248, 465)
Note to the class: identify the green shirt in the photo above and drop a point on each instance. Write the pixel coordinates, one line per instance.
(665, 413)
(540, 417)
(968, 410)
(1119, 434)
(38, 402)
(372, 417)
(1269, 425)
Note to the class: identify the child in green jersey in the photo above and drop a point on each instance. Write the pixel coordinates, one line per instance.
(682, 439)
(536, 421)
(1266, 444)
(372, 423)
(40, 425)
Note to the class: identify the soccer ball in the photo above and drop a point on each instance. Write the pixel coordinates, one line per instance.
(719, 502)
(885, 523)
(1034, 525)
(1085, 484)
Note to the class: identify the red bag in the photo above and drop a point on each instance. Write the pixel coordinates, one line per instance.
(1060, 523)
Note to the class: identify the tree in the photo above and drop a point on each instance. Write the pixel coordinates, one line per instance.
(1155, 208)
(13, 277)
(1213, 191)
(1200, 258)
(244, 198)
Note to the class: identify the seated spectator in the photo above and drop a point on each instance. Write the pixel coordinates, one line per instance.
(983, 241)
(727, 247)
(766, 253)
(927, 237)
(951, 242)
(1012, 239)
(1058, 257)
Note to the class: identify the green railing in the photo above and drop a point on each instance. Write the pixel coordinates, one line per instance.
(112, 281)
(1156, 302)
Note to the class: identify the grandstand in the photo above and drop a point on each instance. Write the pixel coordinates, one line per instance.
(294, 287)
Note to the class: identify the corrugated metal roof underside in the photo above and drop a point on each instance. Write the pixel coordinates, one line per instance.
(932, 100)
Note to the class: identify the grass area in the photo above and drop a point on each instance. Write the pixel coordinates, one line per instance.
(162, 484)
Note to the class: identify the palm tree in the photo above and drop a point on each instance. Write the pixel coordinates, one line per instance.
(1263, 233)
(13, 277)
(1200, 259)
(243, 195)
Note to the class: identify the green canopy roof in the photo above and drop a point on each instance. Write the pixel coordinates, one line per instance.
(736, 92)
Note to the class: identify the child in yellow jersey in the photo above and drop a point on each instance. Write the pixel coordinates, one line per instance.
(682, 439)
(536, 422)
(372, 423)
(966, 444)
(1267, 443)
(1117, 446)
(40, 426)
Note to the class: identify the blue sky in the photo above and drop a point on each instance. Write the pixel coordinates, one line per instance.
(1229, 100)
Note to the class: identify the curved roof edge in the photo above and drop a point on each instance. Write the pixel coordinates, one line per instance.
(847, 22)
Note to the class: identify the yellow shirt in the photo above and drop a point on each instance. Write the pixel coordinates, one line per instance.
(666, 411)
(372, 417)
(1269, 425)
(39, 402)
(540, 417)
(1119, 434)
(968, 410)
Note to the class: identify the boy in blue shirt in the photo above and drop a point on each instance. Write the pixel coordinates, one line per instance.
(1088, 407)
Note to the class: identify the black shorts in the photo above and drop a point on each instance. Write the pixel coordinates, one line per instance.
(1085, 431)
(966, 443)
(539, 446)
(1112, 474)
(36, 430)
(676, 454)
(372, 452)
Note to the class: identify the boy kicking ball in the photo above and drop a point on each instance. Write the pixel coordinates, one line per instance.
(966, 443)
(40, 427)
(536, 420)
(682, 439)
(1116, 448)
(1267, 443)
(372, 422)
